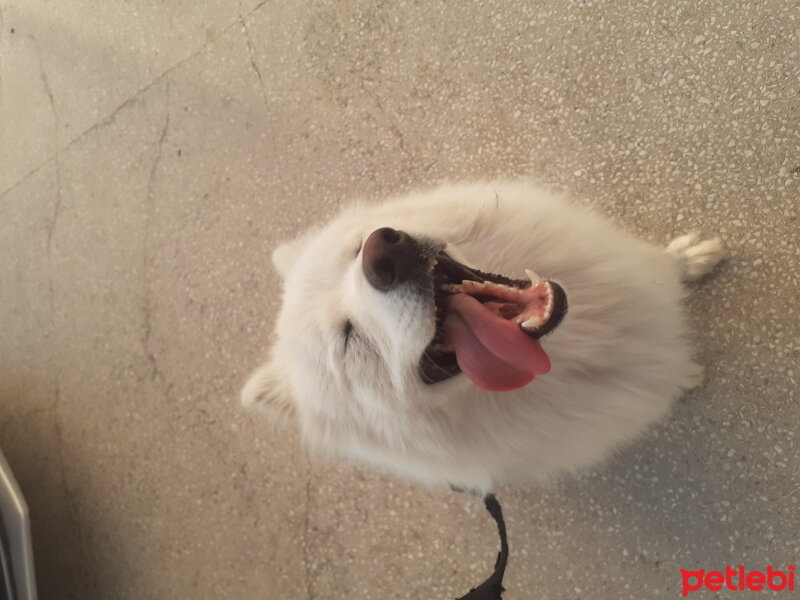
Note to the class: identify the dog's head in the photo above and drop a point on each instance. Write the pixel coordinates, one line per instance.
(357, 313)
(379, 314)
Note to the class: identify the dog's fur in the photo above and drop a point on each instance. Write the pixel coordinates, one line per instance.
(619, 358)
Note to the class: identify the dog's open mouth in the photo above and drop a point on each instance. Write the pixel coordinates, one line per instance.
(487, 326)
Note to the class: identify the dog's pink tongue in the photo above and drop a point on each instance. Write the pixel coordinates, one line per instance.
(493, 352)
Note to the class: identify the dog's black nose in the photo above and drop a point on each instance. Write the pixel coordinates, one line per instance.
(389, 258)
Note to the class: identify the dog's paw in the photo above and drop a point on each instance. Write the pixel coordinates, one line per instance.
(696, 257)
(267, 391)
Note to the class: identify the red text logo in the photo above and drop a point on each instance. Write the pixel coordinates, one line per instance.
(738, 579)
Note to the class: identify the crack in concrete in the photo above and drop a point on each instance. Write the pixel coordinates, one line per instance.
(147, 308)
(252, 55)
(105, 121)
(53, 223)
(401, 141)
(24, 178)
(393, 126)
(59, 433)
(254, 65)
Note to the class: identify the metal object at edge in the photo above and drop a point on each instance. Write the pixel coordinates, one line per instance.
(17, 526)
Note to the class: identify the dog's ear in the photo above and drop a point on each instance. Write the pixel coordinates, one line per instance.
(268, 392)
(285, 255)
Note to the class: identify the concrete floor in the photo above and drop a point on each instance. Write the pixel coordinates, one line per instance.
(152, 154)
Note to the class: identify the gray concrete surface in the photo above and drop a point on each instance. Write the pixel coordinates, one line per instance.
(151, 155)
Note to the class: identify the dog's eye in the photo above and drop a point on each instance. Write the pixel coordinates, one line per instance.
(347, 330)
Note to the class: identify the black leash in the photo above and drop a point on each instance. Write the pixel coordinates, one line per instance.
(492, 588)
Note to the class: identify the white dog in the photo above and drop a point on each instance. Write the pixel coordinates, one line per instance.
(399, 345)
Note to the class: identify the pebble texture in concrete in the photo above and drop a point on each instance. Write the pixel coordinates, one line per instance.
(152, 154)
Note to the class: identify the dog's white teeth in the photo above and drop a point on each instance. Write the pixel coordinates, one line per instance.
(453, 288)
(533, 323)
(491, 286)
(535, 279)
(551, 300)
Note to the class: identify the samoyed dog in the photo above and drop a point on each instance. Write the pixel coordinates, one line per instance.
(478, 334)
